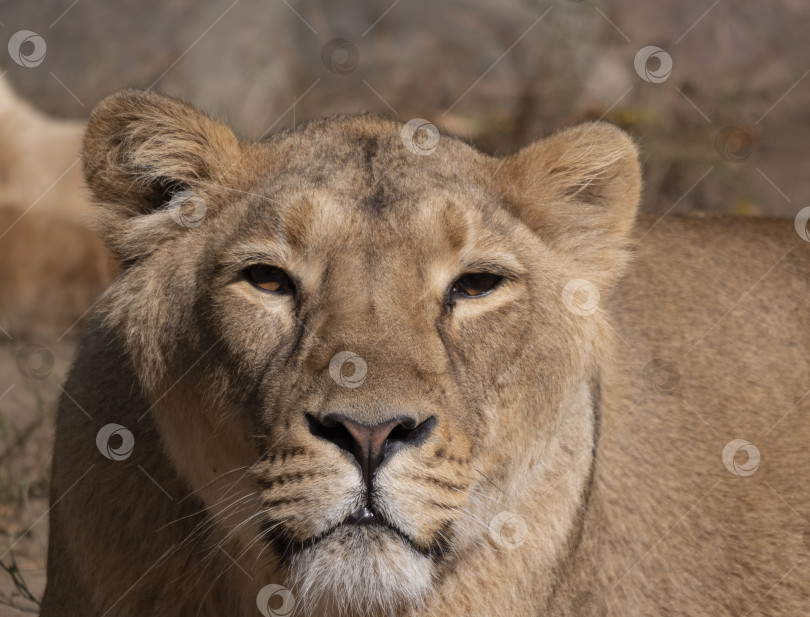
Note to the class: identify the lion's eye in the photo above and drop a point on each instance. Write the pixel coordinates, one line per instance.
(269, 278)
(475, 284)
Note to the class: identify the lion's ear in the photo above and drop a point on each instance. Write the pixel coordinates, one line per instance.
(578, 190)
(141, 149)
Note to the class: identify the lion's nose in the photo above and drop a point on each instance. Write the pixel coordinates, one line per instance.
(370, 444)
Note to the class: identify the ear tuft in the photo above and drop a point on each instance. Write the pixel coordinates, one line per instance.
(159, 192)
(579, 190)
(142, 148)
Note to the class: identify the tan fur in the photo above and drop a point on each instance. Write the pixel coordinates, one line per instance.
(52, 264)
(227, 491)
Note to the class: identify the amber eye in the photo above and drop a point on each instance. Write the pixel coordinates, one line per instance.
(269, 278)
(475, 284)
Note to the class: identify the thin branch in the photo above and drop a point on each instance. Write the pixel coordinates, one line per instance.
(22, 588)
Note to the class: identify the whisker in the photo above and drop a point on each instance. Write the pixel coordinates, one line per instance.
(203, 510)
(219, 477)
(471, 492)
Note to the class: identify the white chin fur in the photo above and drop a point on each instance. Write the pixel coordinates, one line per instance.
(359, 571)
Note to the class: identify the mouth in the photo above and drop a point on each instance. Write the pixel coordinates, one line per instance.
(365, 524)
(361, 565)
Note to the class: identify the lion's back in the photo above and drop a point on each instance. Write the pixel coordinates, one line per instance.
(712, 367)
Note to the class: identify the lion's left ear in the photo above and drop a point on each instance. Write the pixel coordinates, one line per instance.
(578, 190)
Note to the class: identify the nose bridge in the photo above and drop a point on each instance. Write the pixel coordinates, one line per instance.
(374, 342)
(356, 298)
(373, 334)
(378, 368)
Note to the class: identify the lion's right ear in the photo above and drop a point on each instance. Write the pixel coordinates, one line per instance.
(142, 149)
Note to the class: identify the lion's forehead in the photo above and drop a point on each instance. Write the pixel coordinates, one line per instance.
(350, 185)
(357, 213)
(369, 158)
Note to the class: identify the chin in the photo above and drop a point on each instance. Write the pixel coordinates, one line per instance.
(360, 571)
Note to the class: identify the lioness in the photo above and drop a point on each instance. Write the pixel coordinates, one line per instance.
(361, 369)
(52, 264)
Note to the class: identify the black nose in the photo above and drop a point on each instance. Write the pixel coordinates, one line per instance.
(370, 444)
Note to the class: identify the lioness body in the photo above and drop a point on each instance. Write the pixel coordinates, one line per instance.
(724, 302)
(52, 264)
(519, 386)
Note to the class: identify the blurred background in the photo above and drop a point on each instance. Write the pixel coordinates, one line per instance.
(715, 92)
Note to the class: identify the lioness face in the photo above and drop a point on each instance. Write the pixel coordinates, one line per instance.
(366, 323)
(369, 346)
